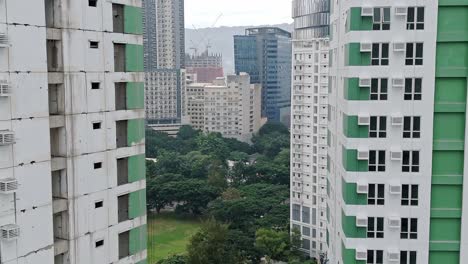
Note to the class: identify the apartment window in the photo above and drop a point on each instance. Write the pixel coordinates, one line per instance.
(415, 18)
(412, 127)
(296, 212)
(379, 54)
(95, 85)
(98, 204)
(409, 195)
(92, 3)
(306, 214)
(374, 256)
(93, 44)
(98, 165)
(99, 243)
(408, 257)
(381, 18)
(377, 160)
(379, 89)
(306, 231)
(375, 227)
(410, 161)
(413, 88)
(378, 127)
(409, 228)
(414, 53)
(376, 194)
(97, 125)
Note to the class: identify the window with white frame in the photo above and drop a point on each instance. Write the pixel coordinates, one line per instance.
(379, 89)
(409, 228)
(415, 18)
(375, 227)
(413, 88)
(378, 127)
(381, 18)
(410, 161)
(409, 195)
(379, 54)
(377, 160)
(408, 257)
(414, 53)
(374, 257)
(296, 212)
(376, 194)
(412, 127)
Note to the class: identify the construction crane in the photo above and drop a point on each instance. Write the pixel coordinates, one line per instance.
(205, 40)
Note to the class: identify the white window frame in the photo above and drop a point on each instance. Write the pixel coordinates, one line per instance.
(410, 130)
(409, 165)
(381, 22)
(372, 256)
(379, 89)
(375, 227)
(408, 233)
(411, 57)
(380, 128)
(379, 58)
(410, 89)
(378, 196)
(412, 199)
(415, 24)
(377, 166)
(408, 255)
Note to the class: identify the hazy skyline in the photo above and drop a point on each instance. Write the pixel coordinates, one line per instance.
(203, 13)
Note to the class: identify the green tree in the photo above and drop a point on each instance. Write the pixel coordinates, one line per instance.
(274, 244)
(197, 164)
(211, 245)
(231, 194)
(214, 145)
(239, 156)
(176, 259)
(217, 175)
(159, 190)
(187, 132)
(272, 127)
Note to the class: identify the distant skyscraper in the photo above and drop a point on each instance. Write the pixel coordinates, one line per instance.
(164, 40)
(206, 66)
(265, 54)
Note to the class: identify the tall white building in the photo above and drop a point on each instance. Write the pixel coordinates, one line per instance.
(309, 121)
(72, 171)
(230, 106)
(398, 91)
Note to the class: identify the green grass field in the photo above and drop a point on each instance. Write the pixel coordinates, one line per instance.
(169, 235)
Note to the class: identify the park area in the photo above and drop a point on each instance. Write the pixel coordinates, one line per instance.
(169, 235)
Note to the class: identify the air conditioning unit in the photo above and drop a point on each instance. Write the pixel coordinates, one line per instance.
(394, 222)
(397, 120)
(393, 256)
(395, 189)
(366, 47)
(367, 11)
(361, 221)
(364, 82)
(363, 120)
(362, 188)
(9, 232)
(363, 154)
(361, 254)
(5, 88)
(396, 155)
(401, 11)
(3, 40)
(6, 138)
(399, 46)
(8, 185)
(398, 82)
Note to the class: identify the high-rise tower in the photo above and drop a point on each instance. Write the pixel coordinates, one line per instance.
(72, 177)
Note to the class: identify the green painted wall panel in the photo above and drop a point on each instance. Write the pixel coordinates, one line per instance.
(351, 163)
(453, 23)
(450, 90)
(354, 57)
(136, 168)
(135, 131)
(351, 129)
(353, 92)
(133, 20)
(447, 163)
(349, 256)
(447, 196)
(135, 95)
(453, 58)
(445, 229)
(449, 127)
(357, 22)
(350, 229)
(137, 204)
(444, 257)
(134, 58)
(138, 239)
(350, 195)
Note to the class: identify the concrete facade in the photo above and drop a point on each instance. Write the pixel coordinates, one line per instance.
(72, 132)
(206, 66)
(230, 106)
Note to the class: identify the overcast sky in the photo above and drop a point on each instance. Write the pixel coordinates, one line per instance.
(203, 13)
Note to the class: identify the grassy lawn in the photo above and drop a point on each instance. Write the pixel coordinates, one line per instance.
(169, 235)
